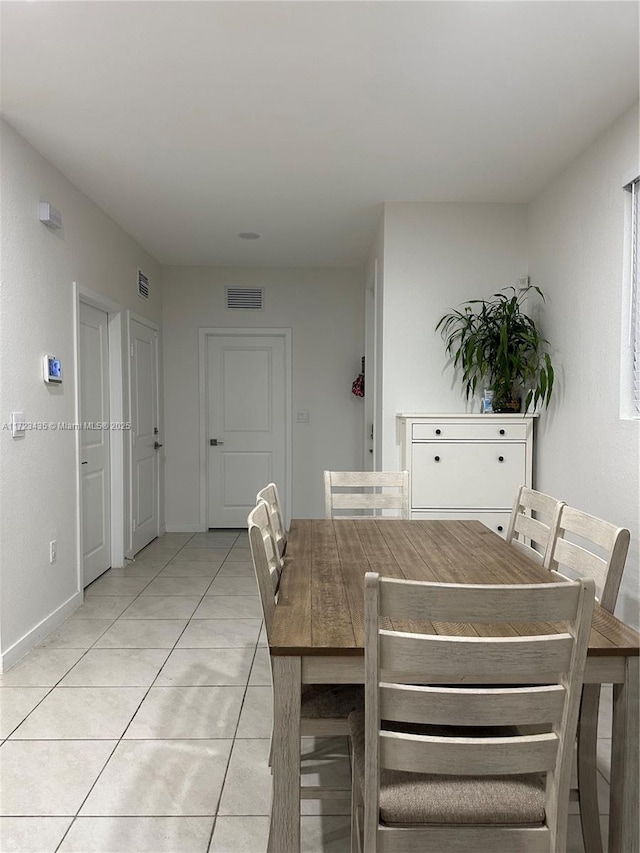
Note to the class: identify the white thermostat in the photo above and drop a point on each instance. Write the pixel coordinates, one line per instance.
(52, 369)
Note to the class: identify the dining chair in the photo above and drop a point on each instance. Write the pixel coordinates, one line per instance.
(271, 564)
(324, 708)
(533, 534)
(271, 497)
(433, 769)
(596, 549)
(346, 492)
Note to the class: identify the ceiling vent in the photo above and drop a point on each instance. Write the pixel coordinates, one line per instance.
(249, 298)
(143, 285)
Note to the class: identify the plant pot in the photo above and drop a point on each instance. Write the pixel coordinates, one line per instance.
(510, 406)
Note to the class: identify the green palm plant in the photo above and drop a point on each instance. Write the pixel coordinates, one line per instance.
(492, 341)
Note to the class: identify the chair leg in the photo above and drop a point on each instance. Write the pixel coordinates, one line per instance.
(588, 768)
(356, 805)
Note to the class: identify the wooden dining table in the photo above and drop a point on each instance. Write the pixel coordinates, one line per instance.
(318, 637)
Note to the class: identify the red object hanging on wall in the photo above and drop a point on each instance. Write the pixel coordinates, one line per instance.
(357, 387)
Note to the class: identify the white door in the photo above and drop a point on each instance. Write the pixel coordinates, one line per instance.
(145, 440)
(94, 442)
(246, 409)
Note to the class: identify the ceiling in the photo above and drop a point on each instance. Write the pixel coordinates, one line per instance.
(189, 122)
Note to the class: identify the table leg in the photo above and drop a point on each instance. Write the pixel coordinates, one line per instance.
(284, 829)
(623, 809)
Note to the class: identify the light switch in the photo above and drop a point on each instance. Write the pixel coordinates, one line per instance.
(17, 424)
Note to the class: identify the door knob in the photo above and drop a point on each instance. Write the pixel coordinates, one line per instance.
(157, 445)
(215, 442)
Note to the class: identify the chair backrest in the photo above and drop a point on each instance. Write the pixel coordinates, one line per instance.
(473, 680)
(271, 497)
(346, 492)
(605, 563)
(535, 516)
(266, 560)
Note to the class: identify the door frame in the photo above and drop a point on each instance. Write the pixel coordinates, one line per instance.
(116, 414)
(371, 314)
(256, 332)
(150, 324)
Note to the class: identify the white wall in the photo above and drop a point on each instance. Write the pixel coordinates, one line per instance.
(437, 256)
(586, 454)
(324, 310)
(38, 480)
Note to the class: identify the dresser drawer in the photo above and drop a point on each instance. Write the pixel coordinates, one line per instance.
(496, 521)
(486, 431)
(462, 474)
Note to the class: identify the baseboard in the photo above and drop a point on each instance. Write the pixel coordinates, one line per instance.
(19, 649)
(183, 528)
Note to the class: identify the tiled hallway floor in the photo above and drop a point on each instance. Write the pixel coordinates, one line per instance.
(143, 722)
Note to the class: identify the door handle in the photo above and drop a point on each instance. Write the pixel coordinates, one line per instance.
(215, 442)
(85, 463)
(157, 445)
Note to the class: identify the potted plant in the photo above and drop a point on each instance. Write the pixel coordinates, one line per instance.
(494, 343)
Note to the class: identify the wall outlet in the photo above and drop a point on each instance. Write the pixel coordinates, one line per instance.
(53, 550)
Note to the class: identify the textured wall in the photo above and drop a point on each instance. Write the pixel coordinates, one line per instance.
(38, 483)
(437, 256)
(586, 454)
(324, 309)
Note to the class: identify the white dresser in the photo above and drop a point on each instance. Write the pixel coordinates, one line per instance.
(466, 466)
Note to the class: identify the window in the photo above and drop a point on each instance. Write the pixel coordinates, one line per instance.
(631, 310)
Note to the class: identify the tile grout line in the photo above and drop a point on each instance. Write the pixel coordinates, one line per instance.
(169, 651)
(74, 817)
(233, 740)
(120, 739)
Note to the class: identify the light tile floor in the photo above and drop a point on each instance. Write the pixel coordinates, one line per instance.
(143, 722)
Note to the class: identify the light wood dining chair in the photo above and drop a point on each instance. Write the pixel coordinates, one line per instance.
(271, 497)
(432, 770)
(324, 708)
(370, 492)
(595, 549)
(534, 523)
(271, 562)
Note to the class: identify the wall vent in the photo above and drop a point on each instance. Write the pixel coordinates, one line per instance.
(251, 298)
(143, 285)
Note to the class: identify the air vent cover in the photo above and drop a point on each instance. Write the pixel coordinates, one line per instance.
(143, 285)
(248, 298)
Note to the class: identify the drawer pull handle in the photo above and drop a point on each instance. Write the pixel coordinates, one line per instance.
(437, 458)
(501, 432)
(500, 528)
(500, 458)
(438, 432)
